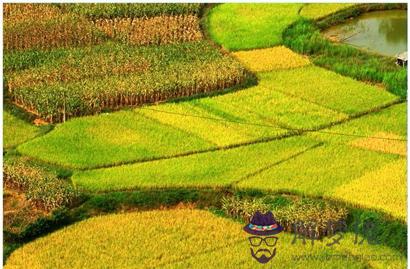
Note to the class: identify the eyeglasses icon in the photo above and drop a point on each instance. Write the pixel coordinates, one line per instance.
(256, 241)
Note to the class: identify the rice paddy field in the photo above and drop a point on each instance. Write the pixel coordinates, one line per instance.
(142, 122)
(193, 239)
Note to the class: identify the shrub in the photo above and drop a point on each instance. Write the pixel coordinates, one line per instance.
(41, 188)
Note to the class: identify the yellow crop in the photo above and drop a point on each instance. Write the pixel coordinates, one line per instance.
(16, 13)
(134, 240)
(162, 29)
(271, 59)
(317, 11)
(179, 239)
(383, 145)
(383, 189)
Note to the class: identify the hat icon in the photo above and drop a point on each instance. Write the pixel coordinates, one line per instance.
(263, 224)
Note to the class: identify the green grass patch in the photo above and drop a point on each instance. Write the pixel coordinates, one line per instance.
(189, 238)
(213, 169)
(250, 26)
(17, 131)
(328, 89)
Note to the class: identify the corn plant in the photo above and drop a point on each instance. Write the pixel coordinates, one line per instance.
(43, 189)
(40, 26)
(89, 81)
(162, 29)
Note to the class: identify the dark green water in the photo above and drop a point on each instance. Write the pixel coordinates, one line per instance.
(383, 32)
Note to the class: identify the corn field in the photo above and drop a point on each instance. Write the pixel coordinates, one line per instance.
(162, 29)
(17, 13)
(65, 31)
(112, 76)
(135, 10)
(79, 76)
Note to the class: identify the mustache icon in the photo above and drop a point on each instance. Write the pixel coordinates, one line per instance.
(263, 250)
(263, 258)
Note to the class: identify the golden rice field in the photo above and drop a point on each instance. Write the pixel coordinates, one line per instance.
(384, 188)
(383, 142)
(178, 239)
(261, 120)
(270, 59)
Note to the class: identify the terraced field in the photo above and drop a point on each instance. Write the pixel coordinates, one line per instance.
(193, 238)
(262, 120)
(266, 111)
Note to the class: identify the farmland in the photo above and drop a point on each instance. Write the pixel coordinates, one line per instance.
(244, 26)
(272, 118)
(89, 81)
(17, 131)
(145, 135)
(193, 238)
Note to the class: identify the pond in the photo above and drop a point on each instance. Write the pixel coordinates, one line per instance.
(383, 32)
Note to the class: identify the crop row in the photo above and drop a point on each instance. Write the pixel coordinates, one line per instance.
(45, 26)
(14, 13)
(147, 75)
(155, 30)
(136, 10)
(63, 31)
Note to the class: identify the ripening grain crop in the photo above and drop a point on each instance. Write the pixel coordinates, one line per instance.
(384, 188)
(329, 89)
(383, 142)
(275, 58)
(65, 31)
(319, 171)
(180, 239)
(317, 11)
(213, 169)
(157, 30)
